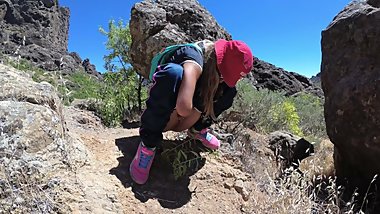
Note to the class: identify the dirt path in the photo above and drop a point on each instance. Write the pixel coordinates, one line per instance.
(217, 187)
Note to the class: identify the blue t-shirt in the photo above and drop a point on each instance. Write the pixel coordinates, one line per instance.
(185, 54)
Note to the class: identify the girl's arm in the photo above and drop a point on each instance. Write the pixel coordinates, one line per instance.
(191, 73)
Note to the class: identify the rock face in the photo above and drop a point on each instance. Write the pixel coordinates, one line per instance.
(34, 145)
(266, 75)
(157, 24)
(351, 84)
(37, 31)
(42, 23)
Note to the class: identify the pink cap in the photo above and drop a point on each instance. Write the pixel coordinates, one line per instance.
(234, 60)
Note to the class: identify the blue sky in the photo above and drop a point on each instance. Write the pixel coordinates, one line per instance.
(286, 33)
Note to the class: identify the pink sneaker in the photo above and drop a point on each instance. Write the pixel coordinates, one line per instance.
(140, 166)
(207, 139)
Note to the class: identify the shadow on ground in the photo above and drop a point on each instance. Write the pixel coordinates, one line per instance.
(130, 124)
(161, 185)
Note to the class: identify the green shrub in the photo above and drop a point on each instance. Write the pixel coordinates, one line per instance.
(311, 113)
(22, 65)
(119, 94)
(184, 156)
(269, 111)
(255, 105)
(78, 85)
(114, 98)
(88, 86)
(37, 74)
(128, 92)
(285, 117)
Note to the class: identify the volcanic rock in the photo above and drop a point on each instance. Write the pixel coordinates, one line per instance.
(351, 83)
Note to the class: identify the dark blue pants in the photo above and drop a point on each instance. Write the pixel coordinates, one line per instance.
(162, 101)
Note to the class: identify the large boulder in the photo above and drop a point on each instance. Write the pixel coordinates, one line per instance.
(34, 145)
(351, 84)
(157, 24)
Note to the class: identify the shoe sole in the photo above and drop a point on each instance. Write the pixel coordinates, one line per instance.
(211, 147)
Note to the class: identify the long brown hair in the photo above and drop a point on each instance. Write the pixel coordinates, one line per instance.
(209, 81)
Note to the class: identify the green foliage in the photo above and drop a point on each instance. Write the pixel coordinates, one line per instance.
(22, 65)
(40, 75)
(184, 156)
(87, 86)
(114, 97)
(118, 42)
(119, 94)
(255, 105)
(310, 111)
(123, 85)
(37, 74)
(78, 85)
(64, 94)
(182, 162)
(285, 116)
(269, 111)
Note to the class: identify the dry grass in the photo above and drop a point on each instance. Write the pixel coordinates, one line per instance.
(321, 163)
(310, 189)
(295, 193)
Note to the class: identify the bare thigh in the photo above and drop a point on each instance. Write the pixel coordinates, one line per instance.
(176, 124)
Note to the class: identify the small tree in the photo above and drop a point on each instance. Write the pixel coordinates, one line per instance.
(118, 60)
(118, 43)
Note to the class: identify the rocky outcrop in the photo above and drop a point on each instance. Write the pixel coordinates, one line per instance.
(316, 80)
(37, 31)
(43, 23)
(289, 149)
(89, 68)
(350, 81)
(157, 24)
(34, 144)
(266, 75)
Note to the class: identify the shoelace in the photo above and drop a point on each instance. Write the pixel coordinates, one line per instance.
(144, 160)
